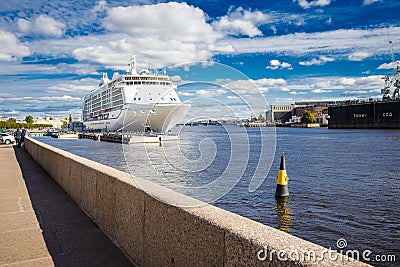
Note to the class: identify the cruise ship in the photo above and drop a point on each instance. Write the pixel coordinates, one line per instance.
(133, 102)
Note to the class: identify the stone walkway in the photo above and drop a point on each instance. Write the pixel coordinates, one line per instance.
(40, 225)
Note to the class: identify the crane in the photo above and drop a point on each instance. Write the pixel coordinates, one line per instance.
(393, 81)
(396, 77)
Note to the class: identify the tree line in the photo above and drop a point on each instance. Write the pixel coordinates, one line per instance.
(12, 123)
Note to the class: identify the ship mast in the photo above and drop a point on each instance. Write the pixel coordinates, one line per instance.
(133, 65)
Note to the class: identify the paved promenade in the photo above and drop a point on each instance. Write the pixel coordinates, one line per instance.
(39, 223)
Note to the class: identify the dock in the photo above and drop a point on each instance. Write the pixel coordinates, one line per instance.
(40, 225)
(67, 136)
(130, 138)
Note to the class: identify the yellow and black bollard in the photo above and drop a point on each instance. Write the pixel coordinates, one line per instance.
(282, 189)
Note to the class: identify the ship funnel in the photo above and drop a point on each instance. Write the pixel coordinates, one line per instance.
(133, 65)
(104, 78)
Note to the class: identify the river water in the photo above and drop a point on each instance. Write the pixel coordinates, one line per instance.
(343, 184)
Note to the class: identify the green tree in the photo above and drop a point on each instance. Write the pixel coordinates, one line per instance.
(29, 119)
(308, 117)
(261, 117)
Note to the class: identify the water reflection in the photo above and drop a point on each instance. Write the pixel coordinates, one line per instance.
(284, 215)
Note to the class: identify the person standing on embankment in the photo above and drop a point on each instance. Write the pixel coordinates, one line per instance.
(18, 136)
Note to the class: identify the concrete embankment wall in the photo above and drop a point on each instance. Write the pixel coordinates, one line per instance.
(143, 220)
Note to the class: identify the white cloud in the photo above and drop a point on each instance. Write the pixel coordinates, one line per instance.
(357, 92)
(41, 99)
(359, 56)
(297, 93)
(361, 82)
(43, 25)
(369, 2)
(185, 93)
(209, 92)
(276, 64)
(320, 61)
(326, 83)
(221, 49)
(270, 82)
(371, 40)
(242, 22)
(174, 21)
(78, 86)
(9, 112)
(77, 68)
(307, 4)
(24, 25)
(64, 98)
(202, 92)
(11, 48)
(164, 34)
(250, 86)
(116, 53)
(347, 81)
(320, 91)
(5, 95)
(100, 6)
(386, 66)
(176, 78)
(114, 49)
(330, 84)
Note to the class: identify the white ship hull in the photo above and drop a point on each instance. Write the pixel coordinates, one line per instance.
(133, 118)
(165, 117)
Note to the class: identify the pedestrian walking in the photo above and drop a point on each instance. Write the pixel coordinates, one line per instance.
(18, 136)
(22, 143)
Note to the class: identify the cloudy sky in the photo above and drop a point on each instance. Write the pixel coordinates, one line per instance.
(52, 52)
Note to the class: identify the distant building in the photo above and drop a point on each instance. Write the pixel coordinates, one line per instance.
(280, 113)
(322, 119)
(317, 110)
(76, 126)
(316, 103)
(295, 119)
(56, 123)
(292, 113)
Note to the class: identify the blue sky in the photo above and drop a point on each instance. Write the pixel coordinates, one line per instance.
(253, 52)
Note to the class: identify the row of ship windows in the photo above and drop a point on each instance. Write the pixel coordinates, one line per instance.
(104, 100)
(146, 82)
(98, 106)
(107, 93)
(114, 92)
(97, 100)
(145, 78)
(139, 98)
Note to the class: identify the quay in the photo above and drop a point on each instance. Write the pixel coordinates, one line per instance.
(40, 225)
(129, 138)
(52, 199)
